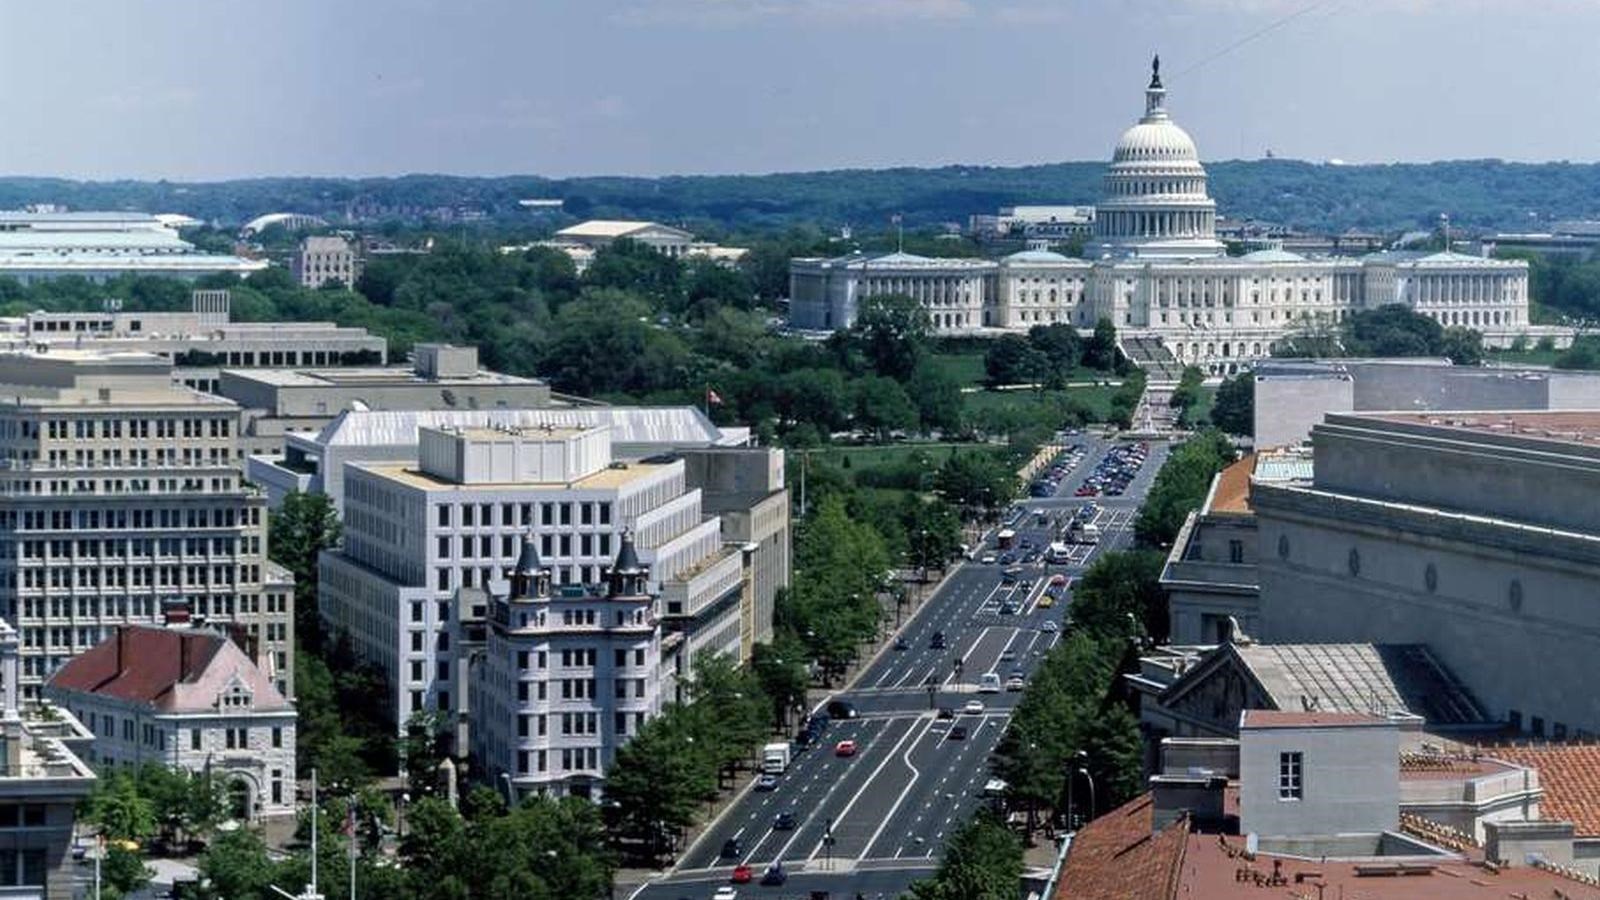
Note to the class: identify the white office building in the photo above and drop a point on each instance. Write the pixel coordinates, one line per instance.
(100, 246)
(419, 537)
(569, 675)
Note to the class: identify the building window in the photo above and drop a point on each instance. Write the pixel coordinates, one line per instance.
(277, 737)
(1290, 769)
(194, 739)
(1236, 552)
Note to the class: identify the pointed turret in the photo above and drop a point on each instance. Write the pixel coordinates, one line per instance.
(628, 576)
(530, 578)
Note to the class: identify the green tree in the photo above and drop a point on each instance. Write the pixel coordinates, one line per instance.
(1392, 330)
(616, 326)
(882, 407)
(975, 481)
(937, 397)
(123, 872)
(1462, 346)
(627, 265)
(1100, 351)
(119, 810)
(657, 783)
(1061, 349)
(300, 529)
(1120, 594)
(780, 666)
(982, 861)
(237, 866)
(1186, 396)
(892, 331)
(1234, 409)
(1180, 487)
(1012, 359)
(933, 531)
(711, 285)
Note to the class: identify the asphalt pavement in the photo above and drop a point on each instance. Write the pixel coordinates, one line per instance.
(876, 821)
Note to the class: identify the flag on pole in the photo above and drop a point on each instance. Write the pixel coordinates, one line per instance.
(713, 398)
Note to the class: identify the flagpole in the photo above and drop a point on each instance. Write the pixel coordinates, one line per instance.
(313, 832)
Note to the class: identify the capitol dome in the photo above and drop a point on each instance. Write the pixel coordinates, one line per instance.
(1156, 140)
(1154, 200)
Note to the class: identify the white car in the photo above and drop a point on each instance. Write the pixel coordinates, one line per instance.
(1049, 626)
(973, 708)
(725, 893)
(988, 559)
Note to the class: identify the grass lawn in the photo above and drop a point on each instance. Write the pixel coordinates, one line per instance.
(887, 454)
(965, 367)
(1048, 407)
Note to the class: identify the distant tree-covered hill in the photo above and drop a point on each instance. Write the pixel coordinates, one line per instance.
(1476, 194)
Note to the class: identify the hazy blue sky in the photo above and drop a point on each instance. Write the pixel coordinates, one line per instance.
(197, 89)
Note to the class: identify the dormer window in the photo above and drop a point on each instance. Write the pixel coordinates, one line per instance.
(237, 696)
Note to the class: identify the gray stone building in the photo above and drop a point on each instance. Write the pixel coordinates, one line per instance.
(120, 502)
(1475, 533)
(1293, 395)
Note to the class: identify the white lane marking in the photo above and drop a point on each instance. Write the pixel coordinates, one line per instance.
(887, 758)
(800, 826)
(971, 648)
(915, 774)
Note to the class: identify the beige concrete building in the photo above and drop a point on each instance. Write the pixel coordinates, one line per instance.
(442, 377)
(199, 342)
(598, 233)
(121, 502)
(324, 259)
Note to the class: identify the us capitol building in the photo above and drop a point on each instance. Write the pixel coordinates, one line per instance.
(1156, 269)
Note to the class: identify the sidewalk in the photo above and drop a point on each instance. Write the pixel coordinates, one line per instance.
(627, 881)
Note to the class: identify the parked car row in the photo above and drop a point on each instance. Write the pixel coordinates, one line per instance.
(1115, 470)
(1049, 479)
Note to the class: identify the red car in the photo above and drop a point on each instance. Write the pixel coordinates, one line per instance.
(742, 875)
(844, 748)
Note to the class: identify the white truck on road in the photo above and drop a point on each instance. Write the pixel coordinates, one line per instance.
(775, 758)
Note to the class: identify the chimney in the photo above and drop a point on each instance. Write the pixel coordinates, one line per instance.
(123, 652)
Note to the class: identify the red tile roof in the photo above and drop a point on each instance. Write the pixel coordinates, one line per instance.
(1570, 776)
(1117, 856)
(140, 664)
(1233, 486)
(1285, 718)
(1217, 868)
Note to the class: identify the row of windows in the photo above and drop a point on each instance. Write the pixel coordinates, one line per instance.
(550, 545)
(472, 515)
(579, 759)
(581, 689)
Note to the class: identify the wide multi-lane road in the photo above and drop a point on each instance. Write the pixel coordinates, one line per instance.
(874, 822)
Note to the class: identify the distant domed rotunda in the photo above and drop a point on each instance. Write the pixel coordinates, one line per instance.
(1155, 202)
